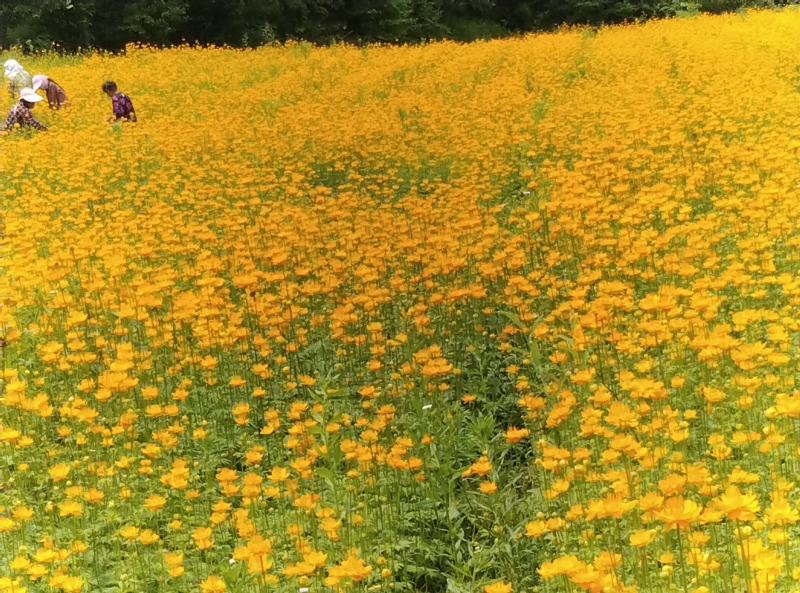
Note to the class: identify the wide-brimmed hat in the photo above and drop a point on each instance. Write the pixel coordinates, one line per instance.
(39, 81)
(29, 95)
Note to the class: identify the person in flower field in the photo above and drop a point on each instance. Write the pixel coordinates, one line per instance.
(17, 77)
(120, 102)
(56, 96)
(21, 113)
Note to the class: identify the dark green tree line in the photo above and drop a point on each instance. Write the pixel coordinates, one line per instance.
(110, 24)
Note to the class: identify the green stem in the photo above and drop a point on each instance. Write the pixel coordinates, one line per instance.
(683, 564)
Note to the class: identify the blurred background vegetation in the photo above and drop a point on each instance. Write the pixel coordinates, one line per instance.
(110, 24)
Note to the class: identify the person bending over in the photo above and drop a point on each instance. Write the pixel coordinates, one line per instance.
(21, 113)
(56, 96)
(120, 102)
(17, 77)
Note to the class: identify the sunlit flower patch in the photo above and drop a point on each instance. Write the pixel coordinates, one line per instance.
(510, 316)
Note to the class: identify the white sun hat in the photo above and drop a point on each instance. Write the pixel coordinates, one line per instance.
(29, 95)
(39, 82)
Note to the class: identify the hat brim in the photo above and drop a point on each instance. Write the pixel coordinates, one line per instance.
(32, 98)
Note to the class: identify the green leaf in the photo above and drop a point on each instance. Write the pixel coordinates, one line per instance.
(453, 513)
(513, 318)
(536, 354)
(328, 475)
(452, 587)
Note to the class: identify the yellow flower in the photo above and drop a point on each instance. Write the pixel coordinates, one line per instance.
(679, 513)
(278, 474)
(499, 587)
(213, 584)
(642, 537)
(93, 496)
(79, 547)
(59, 472)
(482, 467)
(203, 538)
(22, 513)
(488, 487)
(155, 503)
(516, 435)
(70, 508)
(72, 584)
(129, 533)
(738, 506)
(563, 566)
(781, 512)
(352, 568)
(307, 381)
(148, 537)
(174, 564)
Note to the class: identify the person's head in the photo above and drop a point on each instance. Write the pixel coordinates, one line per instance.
(29, 98)
(40, 81)
(110, 88)
(12, 68)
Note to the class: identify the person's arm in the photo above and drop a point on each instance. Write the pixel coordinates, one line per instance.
(33, 122)
(10, 120)
(38, 125)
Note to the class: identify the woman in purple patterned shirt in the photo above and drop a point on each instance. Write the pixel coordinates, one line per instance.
(120, 102)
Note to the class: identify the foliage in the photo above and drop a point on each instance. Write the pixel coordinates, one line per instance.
(109, 24)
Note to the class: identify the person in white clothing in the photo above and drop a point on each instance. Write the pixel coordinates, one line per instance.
(17, 77)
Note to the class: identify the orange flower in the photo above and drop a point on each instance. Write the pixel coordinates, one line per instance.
(499, 587)
(679, 513)
(738, 506)
(642, 538)
(515, 435)
(488, 487)
(155, 503)
(481, 468)
(564, 566)
(213, 584)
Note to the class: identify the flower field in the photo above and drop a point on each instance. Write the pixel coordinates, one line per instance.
(519, 315)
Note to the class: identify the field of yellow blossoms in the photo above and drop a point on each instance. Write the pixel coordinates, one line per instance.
(519, 315)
